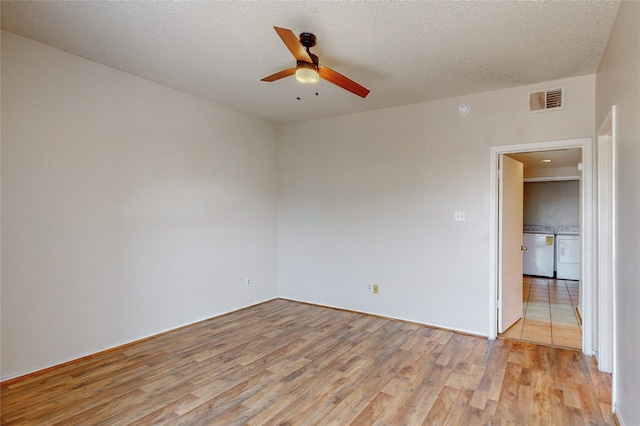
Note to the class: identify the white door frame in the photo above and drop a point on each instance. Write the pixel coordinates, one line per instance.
(587, 229)
(605, 306)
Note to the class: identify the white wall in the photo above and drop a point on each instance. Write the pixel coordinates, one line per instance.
(618, 83)
(127, 208)
(370, 198)
(552, 203)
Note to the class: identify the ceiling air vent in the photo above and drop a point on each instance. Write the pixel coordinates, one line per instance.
(545, 100)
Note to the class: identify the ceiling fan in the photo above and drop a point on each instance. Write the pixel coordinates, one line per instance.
(307, 69)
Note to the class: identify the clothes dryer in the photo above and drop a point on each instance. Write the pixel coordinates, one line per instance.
(568, 252)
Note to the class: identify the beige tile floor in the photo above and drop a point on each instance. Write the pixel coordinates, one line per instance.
(550, 318)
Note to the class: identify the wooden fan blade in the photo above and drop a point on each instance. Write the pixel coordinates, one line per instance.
(340, 80)
(279, 75)
(293, 44)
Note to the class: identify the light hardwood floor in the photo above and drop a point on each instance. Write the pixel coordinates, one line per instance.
(284, 362)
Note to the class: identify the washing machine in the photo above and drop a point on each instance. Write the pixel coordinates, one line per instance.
(568, 252)
(537, 258)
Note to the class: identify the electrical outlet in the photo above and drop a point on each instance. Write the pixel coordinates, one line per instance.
(369, 289)
(248, 282)
(375, 289)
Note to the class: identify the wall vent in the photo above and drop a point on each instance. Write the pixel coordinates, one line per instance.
(545, 100)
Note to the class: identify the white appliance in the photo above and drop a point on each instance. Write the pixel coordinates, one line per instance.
(537, 257)
(568, 252)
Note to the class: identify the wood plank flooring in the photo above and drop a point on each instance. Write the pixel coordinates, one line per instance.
(287, 363)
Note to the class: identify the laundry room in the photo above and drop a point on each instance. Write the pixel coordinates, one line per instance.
(551, 213)
(551, 248)
(555, 205)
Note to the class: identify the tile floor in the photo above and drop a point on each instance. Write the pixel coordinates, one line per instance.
(550, 318)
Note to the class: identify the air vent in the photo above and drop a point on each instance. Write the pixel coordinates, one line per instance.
(545, 100)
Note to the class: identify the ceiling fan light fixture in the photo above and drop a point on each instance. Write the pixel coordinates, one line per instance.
(306, 73)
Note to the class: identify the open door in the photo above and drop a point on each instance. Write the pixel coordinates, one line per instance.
(510, 210)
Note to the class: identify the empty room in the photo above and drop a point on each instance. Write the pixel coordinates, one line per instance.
(313, 213)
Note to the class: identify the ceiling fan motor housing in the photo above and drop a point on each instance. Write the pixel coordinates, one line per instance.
(307, 40)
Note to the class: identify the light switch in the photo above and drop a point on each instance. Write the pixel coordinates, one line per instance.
(459, 216)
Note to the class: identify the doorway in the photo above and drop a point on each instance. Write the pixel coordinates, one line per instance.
(551, 238)
(586, 226)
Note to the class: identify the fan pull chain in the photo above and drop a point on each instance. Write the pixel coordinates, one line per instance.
(298, 90)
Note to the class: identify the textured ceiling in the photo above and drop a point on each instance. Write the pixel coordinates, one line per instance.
(404, 52)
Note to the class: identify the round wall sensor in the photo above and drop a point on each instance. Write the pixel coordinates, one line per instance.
(464, 109)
